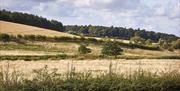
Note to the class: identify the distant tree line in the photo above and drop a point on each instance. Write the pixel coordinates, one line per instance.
(118, 32)
(94, 31)
(30, 19)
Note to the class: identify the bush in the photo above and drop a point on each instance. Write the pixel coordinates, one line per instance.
(176, 44)
(91, 40)
(83, 49)
(19, 36)
(4, 37)
(40, 38)
(138, 40)
(30, 37)
(148, 42)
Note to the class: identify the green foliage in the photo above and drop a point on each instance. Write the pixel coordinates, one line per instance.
(137, 40)
(4, 37)
(176, 44)
(148, 42)
(164, 44)
(34, 57)
(118, 32)
(31, 47)
(111, 49)
(30, 19)
(45, 80)
(83, 49)
(94, 31)
(24, 38)
(19, 36)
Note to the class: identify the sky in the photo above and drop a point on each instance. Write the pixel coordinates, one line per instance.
(151, 15)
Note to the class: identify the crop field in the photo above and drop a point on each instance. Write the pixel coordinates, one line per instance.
(15, 29)
(96, 66)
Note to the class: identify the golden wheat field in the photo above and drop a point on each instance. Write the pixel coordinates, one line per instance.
(15, 29)
(94, 66)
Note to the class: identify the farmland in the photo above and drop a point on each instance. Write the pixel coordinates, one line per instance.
(15, 29)
(53, 65)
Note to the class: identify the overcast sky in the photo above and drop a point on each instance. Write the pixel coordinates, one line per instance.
(152, 15)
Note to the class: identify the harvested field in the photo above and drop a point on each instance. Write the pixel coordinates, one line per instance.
(15, 29)
(95, 66)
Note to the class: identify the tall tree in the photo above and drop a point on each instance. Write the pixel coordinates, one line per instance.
(112, 49)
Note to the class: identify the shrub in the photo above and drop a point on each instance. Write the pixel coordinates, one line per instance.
(91, 39)
(137, 40)
(4, 37)
(40, 38)
(164, 44)
(176, 44)
(30, 37)
(148, 42)
(83, 49)
(19, 36)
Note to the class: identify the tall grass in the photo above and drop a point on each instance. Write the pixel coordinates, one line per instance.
(50, 80)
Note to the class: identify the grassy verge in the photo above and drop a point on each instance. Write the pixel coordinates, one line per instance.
(45, 80)
(79, 57)
(34, 58)
(30, 47)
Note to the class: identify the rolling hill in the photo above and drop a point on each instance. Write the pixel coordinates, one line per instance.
(15, 29)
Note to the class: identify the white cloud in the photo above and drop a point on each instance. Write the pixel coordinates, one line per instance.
(176, 11)
(160, 11)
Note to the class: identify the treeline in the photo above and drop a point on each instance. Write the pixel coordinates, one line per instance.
(30, 19)
(118, 32)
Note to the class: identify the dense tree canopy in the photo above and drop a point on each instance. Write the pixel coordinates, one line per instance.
(30, 19)
(118, 32)
(111, 49)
